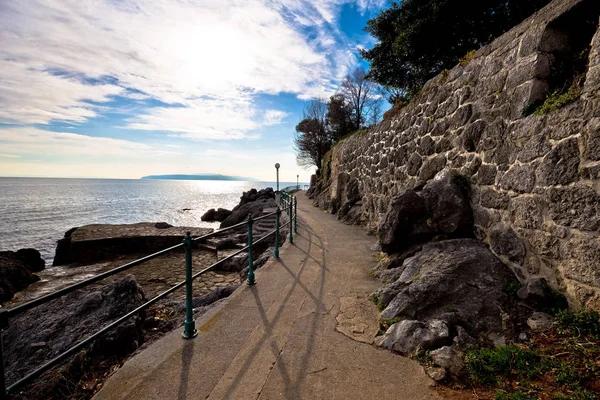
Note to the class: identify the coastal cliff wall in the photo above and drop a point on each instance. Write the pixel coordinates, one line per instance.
(535, 179)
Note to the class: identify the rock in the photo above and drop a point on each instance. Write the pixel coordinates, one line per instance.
(216, 215)
(210, 298)
(409, 337)
(448, 358)
(98, 242)
(240, 213)
(261, 256)
(235, 263)
(16, 271)
(540, 321)
(63, 322)
(436, 373)
(459, 281)
(534, 292)
(441, 208)
(522, 336)
(463, 341)
(505, 242)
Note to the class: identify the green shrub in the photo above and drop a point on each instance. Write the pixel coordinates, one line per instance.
(380, 304)
(585, 323)
(566, 375)
(513, 396)
(487, 365)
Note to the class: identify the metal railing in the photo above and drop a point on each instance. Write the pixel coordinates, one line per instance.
(189, 324)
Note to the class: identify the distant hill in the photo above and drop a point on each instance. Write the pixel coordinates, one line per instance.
(204, 177)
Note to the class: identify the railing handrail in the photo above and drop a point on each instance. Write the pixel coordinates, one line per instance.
(6, 314)
(11, 312)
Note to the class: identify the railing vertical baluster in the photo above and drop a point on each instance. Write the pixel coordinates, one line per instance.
(291, 222)
(278, 215)
(251, 280)
(295, 214)
(189, 330)
(3, 325)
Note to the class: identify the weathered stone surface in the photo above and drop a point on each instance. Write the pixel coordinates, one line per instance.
(491, 198)
(63, 322)
(16, 271)
(441, 208)
(456, 280)
(486, 174)
(540, 321)
(592, 146)
(408, 337)
(219, 215)
(505, 242)
(448, 358)
(463, 341)
(560, 166)
(534, 292)
(527, 212)
(98, 242)
(576, 207)
(520, 178)
(431, 167)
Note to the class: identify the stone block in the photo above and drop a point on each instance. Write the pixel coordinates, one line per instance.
(575, 207)
(561, 165)
(520, 178)
(505, 242)
(526, 212)
(491, 198)
(432, 166)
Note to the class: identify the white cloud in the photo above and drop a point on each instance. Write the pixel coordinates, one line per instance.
(209, 57)
(9, 155)
(32, 141)
(274, 117)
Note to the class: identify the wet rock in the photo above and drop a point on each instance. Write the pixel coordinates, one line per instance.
(458, 280)
(448, 358)
(408, 337)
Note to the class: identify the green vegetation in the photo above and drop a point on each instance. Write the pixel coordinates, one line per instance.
(556, 100)
(379, 255)
(487, 366)
(554, 302)
(586, 323)
(378, 302)
(385, 323)
(512, 287)
(513, 396)
(417, 40)
(467, 58)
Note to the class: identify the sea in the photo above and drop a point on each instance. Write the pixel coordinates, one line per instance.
(36, 212)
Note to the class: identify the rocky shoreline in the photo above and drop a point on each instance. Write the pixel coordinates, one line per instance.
(45, 331)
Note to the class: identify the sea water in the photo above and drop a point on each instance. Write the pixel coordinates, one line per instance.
(36, 212)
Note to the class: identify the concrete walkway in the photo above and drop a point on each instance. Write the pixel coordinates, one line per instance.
(278, 339)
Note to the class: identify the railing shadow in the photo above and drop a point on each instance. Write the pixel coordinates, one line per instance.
(186, 360)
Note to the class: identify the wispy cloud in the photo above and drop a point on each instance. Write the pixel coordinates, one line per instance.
(274, 117)
(9, 155)
(62, 59)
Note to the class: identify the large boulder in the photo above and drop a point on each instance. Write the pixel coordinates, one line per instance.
(38, 335)
(240, 212)
(16, 271)
(409, 337)
(458, 281)
(219, 215)
(440, 210)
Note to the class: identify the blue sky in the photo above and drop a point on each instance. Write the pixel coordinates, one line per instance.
(122, 89)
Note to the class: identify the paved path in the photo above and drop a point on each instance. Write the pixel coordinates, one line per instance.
(278, 339)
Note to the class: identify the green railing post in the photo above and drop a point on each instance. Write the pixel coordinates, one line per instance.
(278, 214)
(291, 227)
(189, 326)
(251, 280)
(295, 214)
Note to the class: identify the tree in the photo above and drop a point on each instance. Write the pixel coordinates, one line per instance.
(361, 96)
(339, 116)
(313, 138)
(417, 39)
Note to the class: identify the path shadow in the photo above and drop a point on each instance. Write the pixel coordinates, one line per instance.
(187, 353)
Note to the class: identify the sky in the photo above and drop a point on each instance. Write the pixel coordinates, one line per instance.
(128, 88)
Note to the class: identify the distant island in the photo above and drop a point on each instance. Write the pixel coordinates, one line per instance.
(203, 177)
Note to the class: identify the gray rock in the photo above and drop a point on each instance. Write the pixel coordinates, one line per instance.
(438, 374)
(505, 242)
(520, 178)
(458, 280)
(409, 337)
(16, 271)
(448, 358)
(431, 167)
(63, 322)
(463, 341)
(442, 207)
(534, 291)
(216, 215)
(561, 165)
(540, 321)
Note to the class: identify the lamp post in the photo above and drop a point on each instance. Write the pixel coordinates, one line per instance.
(277, 194)
(297, 182)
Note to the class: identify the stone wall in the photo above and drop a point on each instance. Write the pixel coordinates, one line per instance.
(535, 179)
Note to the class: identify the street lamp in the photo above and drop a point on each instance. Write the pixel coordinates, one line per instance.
(277, 194)
(297, 182)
